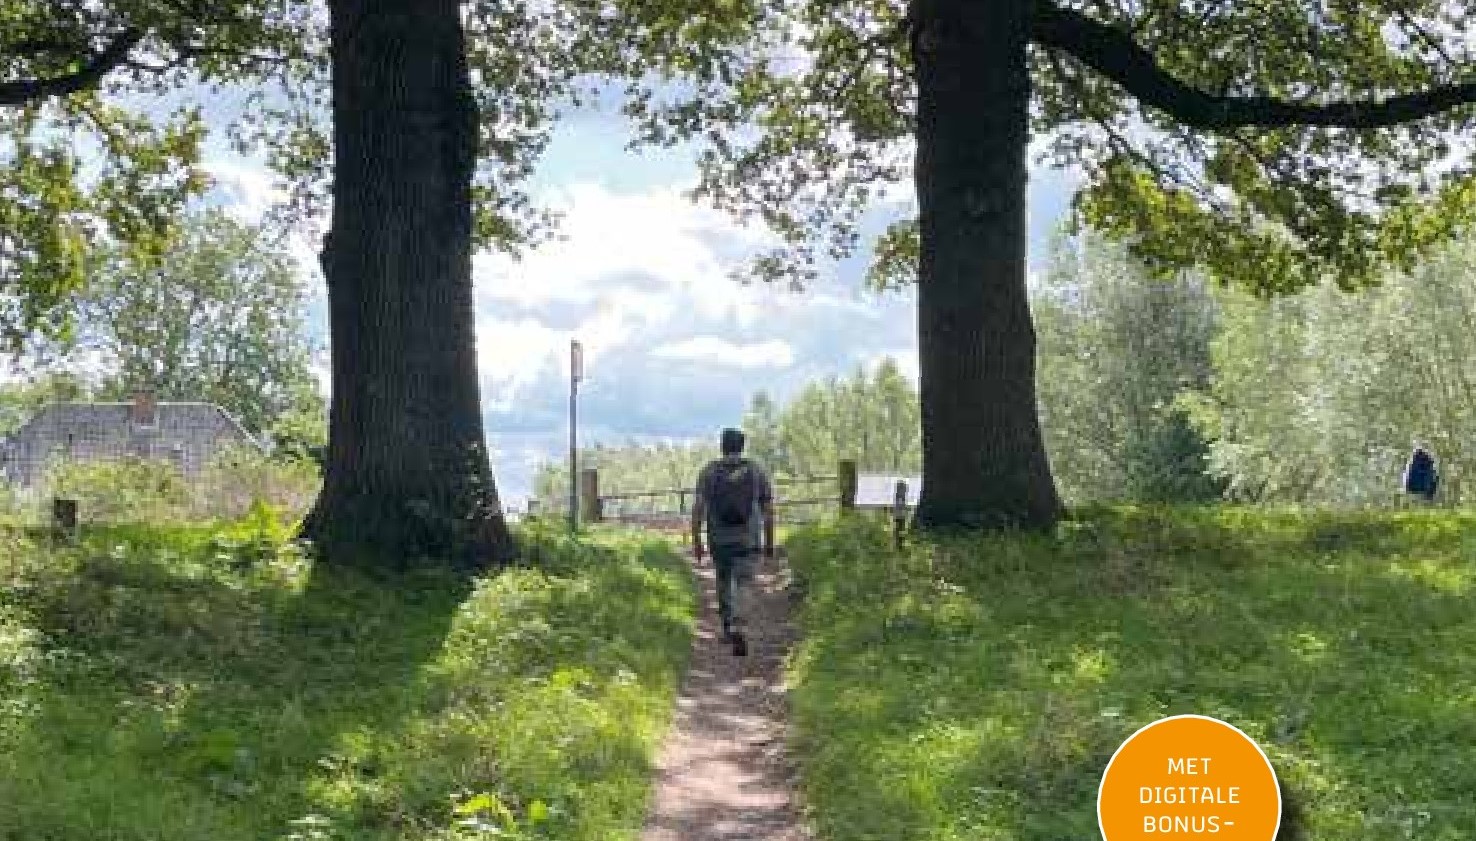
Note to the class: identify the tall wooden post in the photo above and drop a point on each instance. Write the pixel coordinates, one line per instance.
(576, 373)
(589, 495)
(846, 476)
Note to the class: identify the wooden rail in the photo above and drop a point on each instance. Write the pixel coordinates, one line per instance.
(654, 508)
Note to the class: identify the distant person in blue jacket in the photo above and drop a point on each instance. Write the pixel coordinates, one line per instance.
(1421, 477)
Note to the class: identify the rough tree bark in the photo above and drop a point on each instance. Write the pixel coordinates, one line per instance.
(984, 459)
(407, 474)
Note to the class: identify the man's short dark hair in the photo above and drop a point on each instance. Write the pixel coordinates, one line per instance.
(732, 442)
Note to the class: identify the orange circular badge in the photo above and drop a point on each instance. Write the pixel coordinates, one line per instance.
(1189, 776)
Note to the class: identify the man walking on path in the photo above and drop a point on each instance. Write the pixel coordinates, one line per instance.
(733, 495)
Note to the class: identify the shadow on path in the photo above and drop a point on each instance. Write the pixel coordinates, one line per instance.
(724, 774)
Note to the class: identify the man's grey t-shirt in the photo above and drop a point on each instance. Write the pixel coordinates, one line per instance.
(747, 536)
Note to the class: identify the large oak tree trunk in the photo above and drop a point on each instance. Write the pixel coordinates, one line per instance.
(407, 475)
(984, 460)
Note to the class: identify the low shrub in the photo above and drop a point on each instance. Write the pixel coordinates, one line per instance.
(181, 683)
(123, 491)
(135, 490)
(237, 480)
(976, 688)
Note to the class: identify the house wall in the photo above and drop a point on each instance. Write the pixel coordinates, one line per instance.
(190, 434)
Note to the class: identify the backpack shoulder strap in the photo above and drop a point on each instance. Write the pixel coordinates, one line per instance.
(708, 477)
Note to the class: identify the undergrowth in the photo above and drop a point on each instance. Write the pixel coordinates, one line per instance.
(191, 683)
(976, 689)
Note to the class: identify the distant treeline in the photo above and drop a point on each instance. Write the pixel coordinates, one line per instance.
(870, 417)
(1158, 390)
(1155, 390)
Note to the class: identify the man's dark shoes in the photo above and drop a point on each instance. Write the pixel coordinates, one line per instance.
(740, 644)
(727, 636)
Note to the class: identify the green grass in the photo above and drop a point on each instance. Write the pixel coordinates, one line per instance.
(189, 684)
(976, 690)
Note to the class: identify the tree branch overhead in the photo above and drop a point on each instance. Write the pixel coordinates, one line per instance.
(23, 91)
(1116, 55)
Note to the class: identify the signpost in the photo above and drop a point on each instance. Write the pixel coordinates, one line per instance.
(576, 373)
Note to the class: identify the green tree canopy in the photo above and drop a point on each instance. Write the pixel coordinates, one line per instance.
(96, 150)
(1117, 350)
(84, 160)
(1275, 144)
(221, 319)
(762, 424)
(1278, 144)
(1319, 399)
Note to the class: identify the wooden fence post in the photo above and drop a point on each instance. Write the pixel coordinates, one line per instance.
(899, 512)
(64, 519)
(846, 476)
(589, 495)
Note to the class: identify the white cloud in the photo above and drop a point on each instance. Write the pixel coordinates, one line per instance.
(513, 353)
(656, 237)
(713, 350)
(630, 271)
(248, 189)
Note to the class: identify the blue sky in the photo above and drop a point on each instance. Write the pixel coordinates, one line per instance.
(673, 348)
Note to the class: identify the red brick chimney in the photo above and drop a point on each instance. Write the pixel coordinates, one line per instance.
(145, 410)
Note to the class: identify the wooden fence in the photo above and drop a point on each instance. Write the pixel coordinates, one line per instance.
(797, 500)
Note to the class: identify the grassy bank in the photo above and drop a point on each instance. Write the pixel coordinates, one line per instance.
(976, 690)
(187, 684)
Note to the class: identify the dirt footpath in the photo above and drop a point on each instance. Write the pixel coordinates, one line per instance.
(723, 774)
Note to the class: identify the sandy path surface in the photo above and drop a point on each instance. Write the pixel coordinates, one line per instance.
(724, 774)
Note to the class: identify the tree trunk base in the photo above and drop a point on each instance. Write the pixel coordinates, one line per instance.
(374, 533)
(940, 520)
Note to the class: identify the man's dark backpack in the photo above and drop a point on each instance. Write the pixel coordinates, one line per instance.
(734, 486)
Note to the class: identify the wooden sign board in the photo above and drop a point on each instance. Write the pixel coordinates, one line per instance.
(879, 491)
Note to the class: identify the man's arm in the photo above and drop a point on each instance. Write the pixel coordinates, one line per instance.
(699, 516)
(766, 506)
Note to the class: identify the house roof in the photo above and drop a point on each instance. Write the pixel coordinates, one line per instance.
(117, 414)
